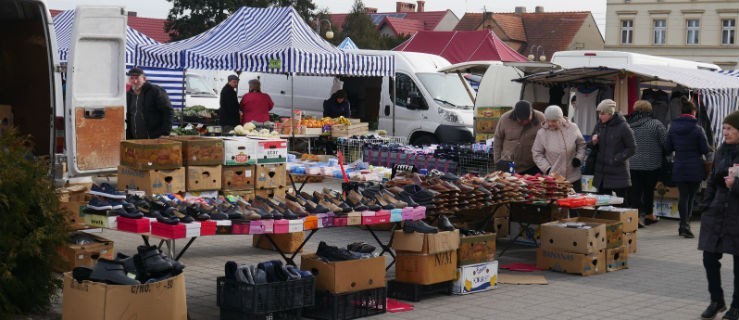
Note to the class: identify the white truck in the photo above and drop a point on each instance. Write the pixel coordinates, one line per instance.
(430, 107)
(595, 58)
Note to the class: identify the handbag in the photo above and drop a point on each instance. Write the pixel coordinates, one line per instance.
(591, 156)
(665, 174)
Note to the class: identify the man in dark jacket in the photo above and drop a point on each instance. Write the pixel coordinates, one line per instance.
(149, 113)
(337, 105)
(615, 142)
(229, 111)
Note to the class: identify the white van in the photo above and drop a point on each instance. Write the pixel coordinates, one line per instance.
(92, 124)
(430, 107)
(589, 58)
(200, 91)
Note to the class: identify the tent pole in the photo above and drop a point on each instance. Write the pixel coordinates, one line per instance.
(292, 106)
(182, 106)
(392, 102)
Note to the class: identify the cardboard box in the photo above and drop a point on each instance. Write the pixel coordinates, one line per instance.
(590, 239)
(502, 212)
(342, 276)
(617, 259)
(236, 151)
(663, 192)
(199, 151)
(587, 184)
(203, 178)
(501, 227)
(237, 177)
(531, 235)
(71, 199)
(629, 217)
(537, 214)
(667, 208)
(288, 242)
(614, 230)
(75, 255)
(476, 249)
(570, 262)
(270, 176)
(425, 268)
(426, 243)
(94, 300)
(267, 150)
(152, 181)
(280, 192)
(148, 154)
(100, 221)
(630, 241)
(354, 218)
(476, 278)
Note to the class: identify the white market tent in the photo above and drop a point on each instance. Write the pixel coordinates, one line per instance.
(718, 92)
(270, 40)
(347, 44)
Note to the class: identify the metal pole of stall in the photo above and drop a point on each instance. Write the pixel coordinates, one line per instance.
(183, 94)
(392, 103)
(292, 107)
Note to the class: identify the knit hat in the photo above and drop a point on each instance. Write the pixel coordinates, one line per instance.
(732, 119)
(522, 110)
(553, 112)
(607, 106)
(135, 71)
(233, 77)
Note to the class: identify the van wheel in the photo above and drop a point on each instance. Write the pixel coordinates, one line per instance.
(424, 140)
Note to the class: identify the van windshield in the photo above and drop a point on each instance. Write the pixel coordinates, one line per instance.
(447, 89)
(196, 86)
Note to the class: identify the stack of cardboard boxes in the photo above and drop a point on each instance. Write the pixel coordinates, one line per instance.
(202, 158)
(153, 166)
(422, 260)
(255, 166)
(525, 220)
(572, 246)
(478, 269)
(629, 218)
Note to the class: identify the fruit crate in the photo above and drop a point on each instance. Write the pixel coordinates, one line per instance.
(352, 305)
(293, 314)
(353, 148)
(416, 292)
(265, 298)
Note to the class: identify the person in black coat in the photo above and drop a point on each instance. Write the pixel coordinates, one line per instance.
(228, 112)
(719, 232)
(615, 142)
(149, 113)
(337, 105)
(688, 140)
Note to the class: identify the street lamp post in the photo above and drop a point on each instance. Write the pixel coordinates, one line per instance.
(532, 56)
(329, 32)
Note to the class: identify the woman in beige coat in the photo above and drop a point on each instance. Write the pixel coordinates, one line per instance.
(559, 147)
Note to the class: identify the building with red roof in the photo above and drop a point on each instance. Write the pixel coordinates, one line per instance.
(406, 20)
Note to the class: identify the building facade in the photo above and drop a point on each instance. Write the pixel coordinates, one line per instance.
(699, 30)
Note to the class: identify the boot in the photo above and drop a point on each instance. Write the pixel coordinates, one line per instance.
(444, 224)
(111, 272)
(713, 309)
(684, 231)
(152, 261)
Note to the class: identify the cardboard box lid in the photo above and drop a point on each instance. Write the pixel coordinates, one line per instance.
(427, 243)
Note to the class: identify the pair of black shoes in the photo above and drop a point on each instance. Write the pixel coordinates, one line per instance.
(470, 232)
(105, 271)
(684, 231)
(148, 265)
(331, 253)
(715, 307)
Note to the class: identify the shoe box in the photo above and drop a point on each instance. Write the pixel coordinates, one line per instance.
(376, 217)
(571, 262)
(476, 249)
(425, 268)
(208, 227)
(148, 154)
(142, 225)
(629, 217)
(425, 243)
(247, 150)
(630, 241)
(287, 243)
(342, 276)
(617, 259)
(203, 178)
(200, 151)
(476, 278)
(175, 231)
(283, 226)
(589, 238)
(354, 218)
(71, 199)
(100, 220)
(270, 192)
(155, 181)
(237, 177)
(270, 176)
(76, 255)
(664, 192)
(310, 222)
(95, 300)
(536, 214)
(524, 234)
(501, 227)
(614, 230)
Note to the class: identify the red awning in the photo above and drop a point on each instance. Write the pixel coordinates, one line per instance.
(461, 46)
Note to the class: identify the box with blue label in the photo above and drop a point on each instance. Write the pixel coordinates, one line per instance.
(476, 278)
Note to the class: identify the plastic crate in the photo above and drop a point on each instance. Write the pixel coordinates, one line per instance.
(265, 298)
(353, 149)
(416, 292)
(352, 305)
(477, 162)
(293, 314)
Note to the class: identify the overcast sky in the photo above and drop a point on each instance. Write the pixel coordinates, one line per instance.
(160, 8)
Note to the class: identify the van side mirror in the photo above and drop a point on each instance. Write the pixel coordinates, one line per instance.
(417, 102)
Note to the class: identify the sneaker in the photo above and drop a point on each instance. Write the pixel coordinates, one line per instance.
(713, 309)
(99, 204)
(107, 191)
(332, 253)
(732, 314)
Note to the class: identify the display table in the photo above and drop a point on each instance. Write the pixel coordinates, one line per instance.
(306, 137)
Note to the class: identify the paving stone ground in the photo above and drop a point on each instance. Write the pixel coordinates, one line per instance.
(665, 280)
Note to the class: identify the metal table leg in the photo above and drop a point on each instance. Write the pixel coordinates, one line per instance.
(385, 247)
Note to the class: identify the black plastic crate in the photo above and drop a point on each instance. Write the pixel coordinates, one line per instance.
(265, 298)
(293, 314)
(351, 305)
(416, 292)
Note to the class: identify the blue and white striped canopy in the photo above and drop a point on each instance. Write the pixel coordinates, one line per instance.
(347, 44)
(269, 40)
(63, 27)
(719, 103)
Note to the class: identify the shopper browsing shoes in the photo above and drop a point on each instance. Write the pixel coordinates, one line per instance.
(719, 232)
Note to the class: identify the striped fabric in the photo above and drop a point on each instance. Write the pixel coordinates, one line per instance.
(347, 44)
(271, 40)
(172, 81)
(719, 103)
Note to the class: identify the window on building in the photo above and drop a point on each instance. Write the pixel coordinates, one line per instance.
(728, 27)
(627, 31)
(693, 34)
(660, 31)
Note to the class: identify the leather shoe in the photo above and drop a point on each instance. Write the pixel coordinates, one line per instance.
(111, 272)
(152, 262)
(713, 309)
(444, 224)
(732, 314)
(418, 226)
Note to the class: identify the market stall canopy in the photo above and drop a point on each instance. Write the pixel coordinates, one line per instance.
(347, 44)
(63, 28)
(270, 40)
(460, 46)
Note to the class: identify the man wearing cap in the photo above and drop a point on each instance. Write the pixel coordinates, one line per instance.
(615, 142)
(229, 110)
(514, 137)
(148, 110)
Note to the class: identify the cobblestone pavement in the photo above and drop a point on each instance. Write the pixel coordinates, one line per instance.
(665, 280)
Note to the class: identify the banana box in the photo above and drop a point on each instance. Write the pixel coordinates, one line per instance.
(476, 278)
